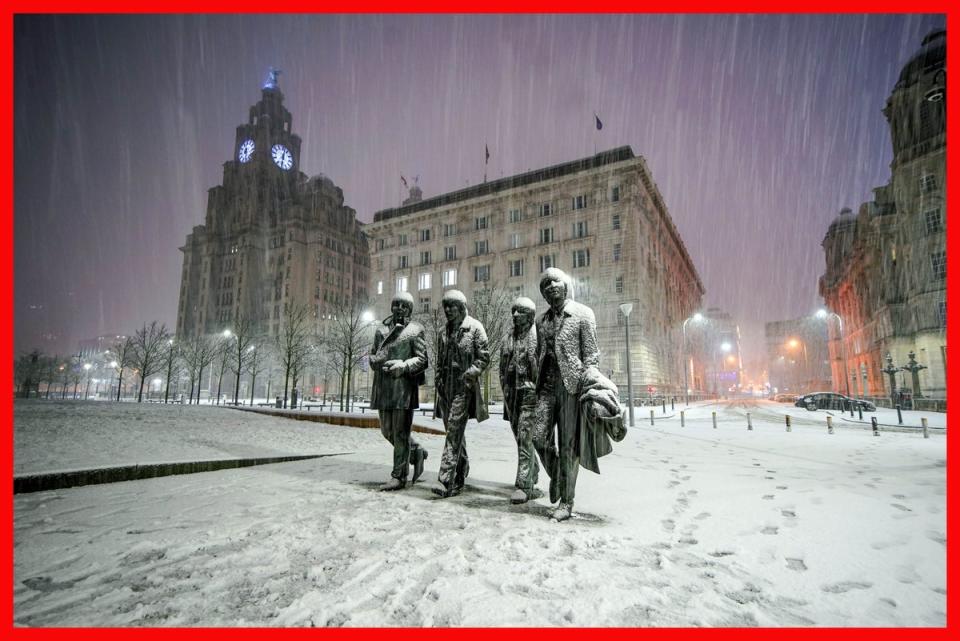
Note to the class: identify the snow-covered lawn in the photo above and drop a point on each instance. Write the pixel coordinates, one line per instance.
(690, 526)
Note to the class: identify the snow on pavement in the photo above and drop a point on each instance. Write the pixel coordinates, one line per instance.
(689, 526)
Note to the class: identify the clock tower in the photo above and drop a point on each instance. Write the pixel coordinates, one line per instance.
(272, 237)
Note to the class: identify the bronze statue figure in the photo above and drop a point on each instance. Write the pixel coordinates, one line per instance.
(398, 360)
(574, 401)
(518, 380)
(463, 355)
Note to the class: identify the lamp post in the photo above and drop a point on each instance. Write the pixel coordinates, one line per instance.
(891, 371)
(914, 368)
(166, 391)
(625, 309)
(822, 313)
(686, 363)
(86, 368)
(793, 343)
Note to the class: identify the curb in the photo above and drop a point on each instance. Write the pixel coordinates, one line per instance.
(60, 480)
(371, 422)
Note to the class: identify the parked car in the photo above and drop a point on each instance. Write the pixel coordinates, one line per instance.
(833, 401)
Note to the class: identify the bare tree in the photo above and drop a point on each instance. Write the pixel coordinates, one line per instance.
(27, 372)
(491, 306)
(124, 349)
(48, 373)
(257, 361)
(198, 353)
(148, 344)
(222, 355)
(293, 341)
(243, 339)
(75, 369)
(347, 339)
(172, 357)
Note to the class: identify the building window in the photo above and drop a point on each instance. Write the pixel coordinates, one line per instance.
(402, 262)
(450, 229)
(579, 202)
(581, 258)
(516, 241)
(449, 278)
(381, 243)
(516, 268)
(933, 220)
(402, 240)
(617, 250)
(942, 313)
(480, 222)
(618, 285)
(938, 261)
(616, 221)
(401, 284)
(547, 262)
(425, 282)
(425, 258)
(481, 247)
(615, 193)
(516, 215)
(450, 253)
(424, 235)
(545, 209)
(379, 287)
(928, 184)
(580, 229)
(425, 305)
(546, 235)
(481, 273)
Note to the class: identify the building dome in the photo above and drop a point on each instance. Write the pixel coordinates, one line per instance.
(846, 219)
(931, 56)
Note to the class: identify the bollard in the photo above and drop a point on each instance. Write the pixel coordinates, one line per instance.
(714, 420)
(651, 417)
(787, 417)
(851, 409)
(876, 428)
(899, 415)
(664, 405)
(682, 422)
(673, 399)
(829, 425)
(749, 422)
(860, 411)
(926, 433)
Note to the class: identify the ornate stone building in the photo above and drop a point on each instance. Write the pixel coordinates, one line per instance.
(271, 236)
(886, 265)
(601, 219)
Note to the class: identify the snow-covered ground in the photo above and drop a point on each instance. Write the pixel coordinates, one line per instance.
(685, 526)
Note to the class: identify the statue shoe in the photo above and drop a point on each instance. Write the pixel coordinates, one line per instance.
(519, 496)
(419, 457)
(446, 492)
(554, 490)
(562, 513)
(393, 484)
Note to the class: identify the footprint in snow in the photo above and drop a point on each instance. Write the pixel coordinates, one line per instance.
(797, 565)
(846, 586)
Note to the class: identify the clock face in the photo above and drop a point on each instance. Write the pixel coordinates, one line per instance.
(282, 157)
(246, 150)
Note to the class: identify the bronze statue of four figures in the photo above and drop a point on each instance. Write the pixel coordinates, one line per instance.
(561, 409)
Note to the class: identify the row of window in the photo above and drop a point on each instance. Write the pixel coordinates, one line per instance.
(482, 248)
(481, 273)
(515, 216)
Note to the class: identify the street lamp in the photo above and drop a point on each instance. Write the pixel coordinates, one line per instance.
(625, 309)
(86, 368)
(823, 314)
(793, 343)
(696, 318)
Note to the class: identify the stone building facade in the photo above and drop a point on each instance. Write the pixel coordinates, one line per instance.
(271, 237)
(601, 219)
(886, 265)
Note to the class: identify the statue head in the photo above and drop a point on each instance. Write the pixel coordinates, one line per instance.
(454, 306)
(401, 307)
(523, 312)
(554, 286)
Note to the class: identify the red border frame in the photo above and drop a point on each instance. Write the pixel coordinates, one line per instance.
(434, 6)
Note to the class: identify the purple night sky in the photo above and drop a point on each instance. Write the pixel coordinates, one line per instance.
(757, 129)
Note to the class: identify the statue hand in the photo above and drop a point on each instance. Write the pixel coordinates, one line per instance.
(395, 368)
